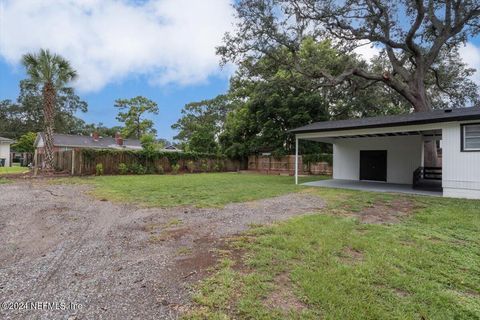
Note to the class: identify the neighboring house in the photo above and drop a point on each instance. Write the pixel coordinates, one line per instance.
(391, 149)
(5, 151)
(171, 148)
(65, 142)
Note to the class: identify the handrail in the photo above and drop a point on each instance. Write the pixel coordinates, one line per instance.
(426, 173)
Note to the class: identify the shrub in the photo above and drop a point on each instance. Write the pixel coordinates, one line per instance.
(159, 169)
(122, 168)
(149, 169)
(137, 168)
(204, 165)
(175, 168)
(99, 169)
(191, 166)
(216, 167)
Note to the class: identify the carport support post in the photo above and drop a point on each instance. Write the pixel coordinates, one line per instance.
(296, 160)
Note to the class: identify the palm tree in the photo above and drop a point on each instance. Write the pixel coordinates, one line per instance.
(53, 72)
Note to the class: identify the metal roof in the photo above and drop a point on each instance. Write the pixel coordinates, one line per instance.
(415, 118)
(70, 140)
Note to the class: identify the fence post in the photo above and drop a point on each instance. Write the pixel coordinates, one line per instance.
(80, 155)
(35, 163)
(73, 162)
(296, 160)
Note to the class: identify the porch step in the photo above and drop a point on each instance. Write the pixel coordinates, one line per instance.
(428, 178)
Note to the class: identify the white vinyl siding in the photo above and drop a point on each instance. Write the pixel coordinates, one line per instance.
(461, 170)
(5, 153)
(471, 137)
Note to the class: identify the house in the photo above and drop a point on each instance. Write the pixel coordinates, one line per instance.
(65, 142)
(5, 151)
(172, 148)
(390, 150)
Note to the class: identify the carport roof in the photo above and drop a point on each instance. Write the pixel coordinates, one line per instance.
(415, 118)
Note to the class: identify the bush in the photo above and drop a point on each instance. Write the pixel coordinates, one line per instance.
(204, 165)
(159, 169)
(137, 168)
(191, 166)
(149, 169)
(99, 169)
(175, 168)
(221, 165)
(216, 167)
(122, 168)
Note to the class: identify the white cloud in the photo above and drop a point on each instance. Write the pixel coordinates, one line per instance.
(169, 41)
(367, 51)
(471, 55)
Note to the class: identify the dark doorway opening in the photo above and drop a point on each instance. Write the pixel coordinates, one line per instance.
(373, 165)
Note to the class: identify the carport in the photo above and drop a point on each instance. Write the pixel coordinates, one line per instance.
(387, 153)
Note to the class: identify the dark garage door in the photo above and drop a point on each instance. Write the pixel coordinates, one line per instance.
(373, 165)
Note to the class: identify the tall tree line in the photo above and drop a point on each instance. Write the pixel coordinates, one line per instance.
(419, 42)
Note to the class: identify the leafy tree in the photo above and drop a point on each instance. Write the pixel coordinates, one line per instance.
(149, 144)
(8, 123)
(415, 37)
(162, 142)
(67, 103)
(135, 125)
(202, 123)
(26, 115)
(52, 72)
(266, 99)
(25, 143)
(419, 42)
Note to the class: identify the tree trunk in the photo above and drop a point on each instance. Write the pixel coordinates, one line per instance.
(49, 101)
(421, 103)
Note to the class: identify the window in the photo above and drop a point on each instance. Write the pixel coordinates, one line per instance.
(471, 137)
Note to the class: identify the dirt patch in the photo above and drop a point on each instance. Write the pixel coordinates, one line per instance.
(401, 293)
(351, 256)
(386, 213)
(118, 261)
(282, 297)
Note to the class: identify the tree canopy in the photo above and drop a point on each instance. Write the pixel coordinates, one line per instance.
(419, 42)
(132, 114)
(26, 115)
(266, 99)
(25, 143)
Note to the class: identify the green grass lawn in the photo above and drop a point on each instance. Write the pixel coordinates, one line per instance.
(427, 266)
(202, 190)
(12, 170)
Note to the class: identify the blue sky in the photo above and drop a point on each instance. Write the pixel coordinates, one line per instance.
(160, 49)
(170, 98)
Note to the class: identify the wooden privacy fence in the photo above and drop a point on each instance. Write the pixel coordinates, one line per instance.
(77, 162)
(286, 165)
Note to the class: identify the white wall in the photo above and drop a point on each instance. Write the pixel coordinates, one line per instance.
(404, 155)
(461, 170)
(5, 153)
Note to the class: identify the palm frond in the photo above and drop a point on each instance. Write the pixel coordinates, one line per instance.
(46, 66)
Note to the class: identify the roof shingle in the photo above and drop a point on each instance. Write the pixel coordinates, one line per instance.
(415, 118)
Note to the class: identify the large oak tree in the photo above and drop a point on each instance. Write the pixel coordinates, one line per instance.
(419, 40)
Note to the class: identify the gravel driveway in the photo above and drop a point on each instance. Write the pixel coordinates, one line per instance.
(74, 257)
